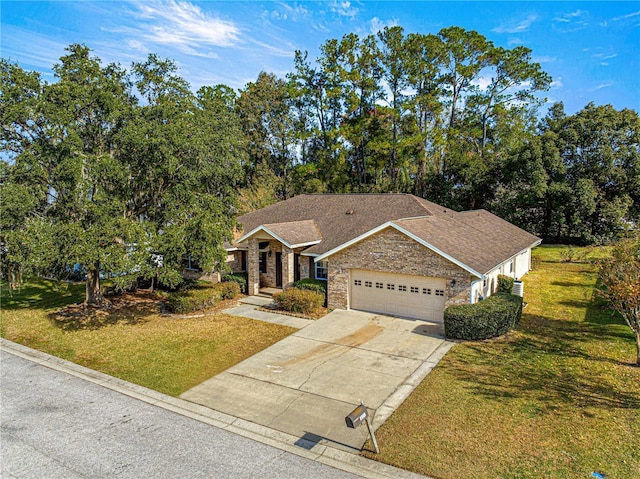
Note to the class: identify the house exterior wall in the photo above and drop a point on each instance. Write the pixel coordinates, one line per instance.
(393, 252)
(523, 264)
(516, 268)
(305, 269)
(235, 263)
(268, 279)
(253, 272)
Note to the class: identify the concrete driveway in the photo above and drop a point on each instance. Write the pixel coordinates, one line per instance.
(307, 383)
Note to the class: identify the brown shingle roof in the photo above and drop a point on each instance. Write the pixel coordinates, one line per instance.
(296, 232)
(339, 218)
(477, 239)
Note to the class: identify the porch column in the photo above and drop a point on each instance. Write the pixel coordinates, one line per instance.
(253, 268)
(288, 268)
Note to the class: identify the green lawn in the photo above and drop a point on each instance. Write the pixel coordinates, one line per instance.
(137, 344)
(557, 398)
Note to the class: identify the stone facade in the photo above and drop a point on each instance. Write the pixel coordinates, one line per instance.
(268, 279)
(235, 261)
(305, 268)
(393, 252)
(253, 270)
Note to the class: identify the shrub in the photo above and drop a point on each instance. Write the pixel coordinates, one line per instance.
(240, 278)
(194, 299)
(309, 284)
(487, 319)
(228, 289)
(299, 300)
(505, 284)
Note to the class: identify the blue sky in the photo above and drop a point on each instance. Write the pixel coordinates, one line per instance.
(591, 49)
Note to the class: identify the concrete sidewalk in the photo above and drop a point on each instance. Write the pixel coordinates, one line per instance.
(248, 308)
(307, 383)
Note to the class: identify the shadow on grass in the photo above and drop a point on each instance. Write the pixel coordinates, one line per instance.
(547, 361)
(129, 309)
(42, 294)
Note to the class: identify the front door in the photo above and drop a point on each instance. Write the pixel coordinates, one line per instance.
(278, 270)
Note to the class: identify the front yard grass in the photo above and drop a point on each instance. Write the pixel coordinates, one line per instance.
(558, 397)
(138, 344)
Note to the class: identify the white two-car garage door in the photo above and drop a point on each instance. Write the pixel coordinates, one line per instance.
(419, 297)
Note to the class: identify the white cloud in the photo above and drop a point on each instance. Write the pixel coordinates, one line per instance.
(545, 59)
(606, 84)
(377, 25)
(557, 83)
(482, 82)
(294, 11)
(571, 22)
(626, 17)
(604, 56)
(343, 8)
(183, 25)
(521, 26)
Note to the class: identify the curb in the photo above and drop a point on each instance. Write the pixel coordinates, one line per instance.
(323, 454)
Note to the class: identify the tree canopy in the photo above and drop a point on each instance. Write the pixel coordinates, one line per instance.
(123, 173)
(96, 181)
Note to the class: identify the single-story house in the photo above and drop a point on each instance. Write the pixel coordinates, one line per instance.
(394, 254)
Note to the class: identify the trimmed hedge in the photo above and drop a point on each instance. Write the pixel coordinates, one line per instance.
(240, 278)
(490, 318)
(505, 283)
(298, 300)
(310, 284)
(194, 299)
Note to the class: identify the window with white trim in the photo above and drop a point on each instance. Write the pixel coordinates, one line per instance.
(322, 270)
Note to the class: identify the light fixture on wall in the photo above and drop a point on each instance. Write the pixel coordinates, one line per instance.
(269, 253)
(453, 282)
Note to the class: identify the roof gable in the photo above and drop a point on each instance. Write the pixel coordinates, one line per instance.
(339, 218)
(477, 241)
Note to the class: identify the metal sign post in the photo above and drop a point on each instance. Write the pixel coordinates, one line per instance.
(357, 417)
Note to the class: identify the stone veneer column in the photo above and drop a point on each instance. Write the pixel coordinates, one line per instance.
(253, 268)
(287, 266)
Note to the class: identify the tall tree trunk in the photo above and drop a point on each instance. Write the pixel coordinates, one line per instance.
(93, 295)
(638, 349)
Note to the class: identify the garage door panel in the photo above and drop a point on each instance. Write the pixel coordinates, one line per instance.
(402, 295)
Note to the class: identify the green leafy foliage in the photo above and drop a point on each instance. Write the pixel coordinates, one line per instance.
(310, 284)
(100, 183)
(229, 289)
(505, 283)
(195, 298)
(619, 277)
(239, 278)
(486, 319)
(299, 301)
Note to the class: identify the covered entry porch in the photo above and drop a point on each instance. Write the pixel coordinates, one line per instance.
(275, 254)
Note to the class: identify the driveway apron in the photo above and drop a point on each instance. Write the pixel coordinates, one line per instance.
(307, 383)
